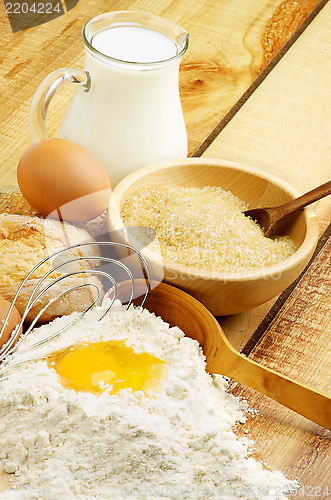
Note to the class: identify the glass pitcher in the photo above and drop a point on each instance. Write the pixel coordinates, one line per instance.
(126, 112)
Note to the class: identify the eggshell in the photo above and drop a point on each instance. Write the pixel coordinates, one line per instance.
(62, 179)
(13, 320)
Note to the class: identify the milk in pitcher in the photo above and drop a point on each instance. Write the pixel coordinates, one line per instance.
(134, 44)
(131, 116)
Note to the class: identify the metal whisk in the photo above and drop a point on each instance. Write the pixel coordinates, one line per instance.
(64, 267)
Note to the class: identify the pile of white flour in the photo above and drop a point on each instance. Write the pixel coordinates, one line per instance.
(177, 444)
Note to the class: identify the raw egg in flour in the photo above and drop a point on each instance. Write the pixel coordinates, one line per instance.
(13, 320)
(63, 180)
(98, 366)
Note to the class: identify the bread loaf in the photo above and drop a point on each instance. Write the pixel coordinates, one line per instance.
(26, 241)
(13, 202)
(76, 300)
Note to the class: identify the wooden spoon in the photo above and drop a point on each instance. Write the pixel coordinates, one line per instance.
(270, 217)
(180, 309)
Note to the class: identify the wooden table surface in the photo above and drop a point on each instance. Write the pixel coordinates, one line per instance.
(255, 88)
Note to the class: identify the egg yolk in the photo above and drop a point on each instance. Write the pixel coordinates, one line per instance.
(98, 366)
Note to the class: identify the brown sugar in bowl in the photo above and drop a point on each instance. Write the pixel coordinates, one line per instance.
(222, 292)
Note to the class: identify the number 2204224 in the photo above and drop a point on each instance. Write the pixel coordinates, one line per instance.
(36, 8)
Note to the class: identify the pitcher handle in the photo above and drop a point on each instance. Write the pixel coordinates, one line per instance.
(44, 94)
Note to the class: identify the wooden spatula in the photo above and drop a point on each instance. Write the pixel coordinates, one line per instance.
(178, 308)
(270, 217)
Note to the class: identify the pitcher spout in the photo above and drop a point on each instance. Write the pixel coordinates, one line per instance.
(182, 43)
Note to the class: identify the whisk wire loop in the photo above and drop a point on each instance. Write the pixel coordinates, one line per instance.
(12, 344)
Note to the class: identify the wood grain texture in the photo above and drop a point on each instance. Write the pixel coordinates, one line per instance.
(297, 344)
(239, 328)
(284, 21)
(225, 55)
(4, 21)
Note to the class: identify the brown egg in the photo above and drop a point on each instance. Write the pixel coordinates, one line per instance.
(63, 180)
(13, 320)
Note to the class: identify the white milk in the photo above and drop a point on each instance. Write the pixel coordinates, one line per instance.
(134, 44)
(132, 115)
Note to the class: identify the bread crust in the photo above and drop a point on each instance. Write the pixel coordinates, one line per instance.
(76, 300)
(26, 241)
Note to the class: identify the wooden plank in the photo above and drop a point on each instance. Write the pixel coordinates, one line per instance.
(230, 43)
(4, 21)
(297, 345)
(6, 481)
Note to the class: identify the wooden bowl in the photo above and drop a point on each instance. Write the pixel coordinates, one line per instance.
(223, 293)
